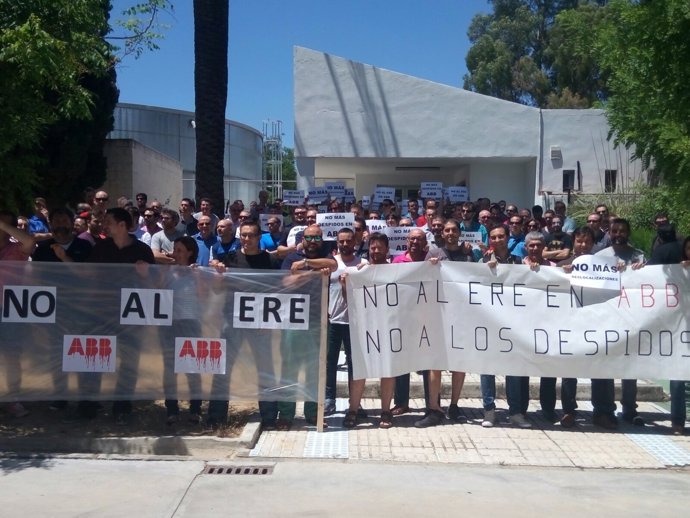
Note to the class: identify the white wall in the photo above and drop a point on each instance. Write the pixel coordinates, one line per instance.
(582, 136)
(348, 109)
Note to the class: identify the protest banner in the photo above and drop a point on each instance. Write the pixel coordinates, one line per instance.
(513, 320)
(80, 331)
(349, 196)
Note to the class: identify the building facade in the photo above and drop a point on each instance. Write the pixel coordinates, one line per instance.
(372, 127)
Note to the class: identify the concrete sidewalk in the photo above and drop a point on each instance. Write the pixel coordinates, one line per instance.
(545, 444)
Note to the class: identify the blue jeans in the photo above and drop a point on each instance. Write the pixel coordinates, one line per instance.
(517, 394)
(488, 386)
(678, 409)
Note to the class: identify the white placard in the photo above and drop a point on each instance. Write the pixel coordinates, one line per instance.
(432, 190)
(146, 307)
(29, 304)
(457, 194)
(332, 222)
(376, 225)
(596, 272)
(200, 355)
(89, 353)
(474, 238)
(335, 189)
(366, 201)
(317, 195)
(384, 193)
(271, 311)
(349, 195)
(397, 239)
(293, 198)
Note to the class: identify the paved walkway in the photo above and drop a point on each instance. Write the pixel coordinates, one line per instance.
(546, 444)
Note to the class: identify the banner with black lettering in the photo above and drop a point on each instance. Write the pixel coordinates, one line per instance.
(100, 332)
(513, 320)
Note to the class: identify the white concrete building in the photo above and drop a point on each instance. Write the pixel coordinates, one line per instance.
(372, 127)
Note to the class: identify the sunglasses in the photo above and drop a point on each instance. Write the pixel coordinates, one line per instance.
(312, 238)
(101, 199)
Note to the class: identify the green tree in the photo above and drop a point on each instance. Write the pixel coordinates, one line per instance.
(533, 52)
(210, 93)
(646, 51)
(49, 51)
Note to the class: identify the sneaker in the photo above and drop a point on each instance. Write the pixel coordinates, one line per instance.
(489, 418)
(634, 419)
(453, 411)
(519, 421)
(16, 410)
(432, 418)
(550, 416)
(608, 422)
(568, 420)
(329, 407)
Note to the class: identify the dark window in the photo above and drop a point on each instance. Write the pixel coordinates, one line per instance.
(568, 180)
(610, 180)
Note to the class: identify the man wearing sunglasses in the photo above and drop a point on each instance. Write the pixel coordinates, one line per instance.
(311, 257)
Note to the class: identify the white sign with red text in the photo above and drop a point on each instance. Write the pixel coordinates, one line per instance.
(89, 353)
(200, 355)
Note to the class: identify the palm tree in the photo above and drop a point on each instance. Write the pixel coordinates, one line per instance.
(210, 92)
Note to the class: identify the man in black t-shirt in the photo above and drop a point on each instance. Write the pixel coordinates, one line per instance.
(248, 256)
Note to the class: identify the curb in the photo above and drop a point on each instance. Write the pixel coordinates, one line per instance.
(179, 446)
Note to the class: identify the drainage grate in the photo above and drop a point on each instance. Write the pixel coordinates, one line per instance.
(212, 469)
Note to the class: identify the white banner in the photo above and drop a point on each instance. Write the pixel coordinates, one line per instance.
(376, 225)
(335, 189)
(513, 320)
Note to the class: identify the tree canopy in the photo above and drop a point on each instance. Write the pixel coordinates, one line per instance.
(50, 55)
(537, 52)
(645, 49)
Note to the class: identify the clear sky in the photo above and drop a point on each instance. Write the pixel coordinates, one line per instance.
(422, 38)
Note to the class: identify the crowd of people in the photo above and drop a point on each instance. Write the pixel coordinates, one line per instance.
(127, 231)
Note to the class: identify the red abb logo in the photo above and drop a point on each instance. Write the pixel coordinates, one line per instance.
(91, 347)
(201, 349)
